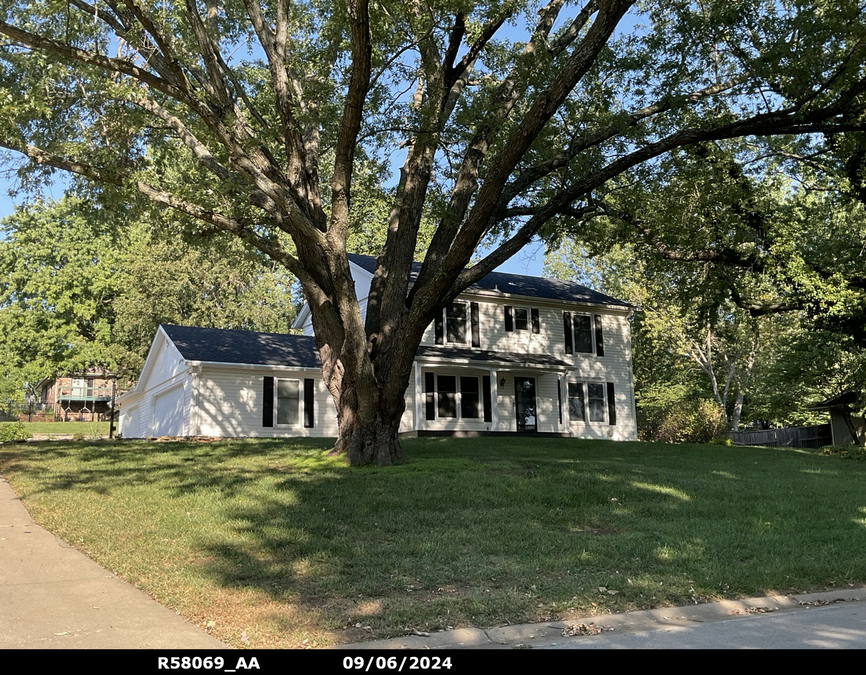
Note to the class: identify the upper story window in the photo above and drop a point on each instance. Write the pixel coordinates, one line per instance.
(522, 318)
(458, 324)
(584, 333)
(455, 322)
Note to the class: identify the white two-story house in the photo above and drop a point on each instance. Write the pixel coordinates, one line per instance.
(513, 354)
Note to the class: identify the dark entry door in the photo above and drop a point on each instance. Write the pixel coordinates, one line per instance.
(524, 396)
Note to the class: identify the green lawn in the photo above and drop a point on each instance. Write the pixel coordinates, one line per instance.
(88, 429)
(270, 543)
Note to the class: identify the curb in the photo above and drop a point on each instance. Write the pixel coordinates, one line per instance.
(552, 632)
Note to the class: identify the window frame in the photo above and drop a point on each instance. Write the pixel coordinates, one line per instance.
(479, 407)
(300, 408)
(467, 324)
(590, 399)
(595, 329)
(586, 386)
(437, 392)
(574, 332)
(533, 319)
(581, 397)
(527, 318)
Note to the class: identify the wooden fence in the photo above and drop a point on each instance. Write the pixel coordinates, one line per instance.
(792, 437)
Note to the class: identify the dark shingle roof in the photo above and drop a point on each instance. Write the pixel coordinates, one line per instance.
(240, 346)
(217, 345)
(485, 356)
(517, 284)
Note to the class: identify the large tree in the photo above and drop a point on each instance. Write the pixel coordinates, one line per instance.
(251, 116)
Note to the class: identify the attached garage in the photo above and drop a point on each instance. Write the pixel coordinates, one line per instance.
(167, 416)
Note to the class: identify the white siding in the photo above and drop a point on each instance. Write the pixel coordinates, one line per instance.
(129, 423)
(164, 362)
(230, 404)
(167, 412)
(615, 366)
(407, 422)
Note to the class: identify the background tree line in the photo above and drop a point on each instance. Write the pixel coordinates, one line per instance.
(84, 285)
(747, 278)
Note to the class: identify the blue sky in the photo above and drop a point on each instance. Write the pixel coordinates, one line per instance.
(528, 261)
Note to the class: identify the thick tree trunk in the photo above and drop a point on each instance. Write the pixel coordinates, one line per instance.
(368, 423)
(370, 440)
(369, 398)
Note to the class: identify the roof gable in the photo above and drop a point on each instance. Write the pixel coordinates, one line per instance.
(516, 284)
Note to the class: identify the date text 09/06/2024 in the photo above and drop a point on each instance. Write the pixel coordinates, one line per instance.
(350, 663)
(399, 664)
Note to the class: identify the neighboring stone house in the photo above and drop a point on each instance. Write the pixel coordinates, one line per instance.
(80, 397)
(513, 354)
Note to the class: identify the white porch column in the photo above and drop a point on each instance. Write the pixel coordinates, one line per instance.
(563, 387)
(418, 400)
(494, 400)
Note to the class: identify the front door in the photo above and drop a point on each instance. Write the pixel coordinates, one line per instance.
(524, 397)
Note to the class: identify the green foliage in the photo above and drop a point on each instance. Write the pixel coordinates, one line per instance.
(82, 286)
(671, 414)
(855, 452)
(747, 274)
(13, 432)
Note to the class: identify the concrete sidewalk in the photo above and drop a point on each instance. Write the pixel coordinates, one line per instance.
(53, 596)
(654, 627)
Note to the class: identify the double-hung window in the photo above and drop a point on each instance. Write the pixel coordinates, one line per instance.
(592, 402)
(596, 402)
(584, 333)
(522, 318)
(445, 400)
(576, 401)
(447, 395)
(470, 402)
(283, 403)
(457, 323)
(288, 401)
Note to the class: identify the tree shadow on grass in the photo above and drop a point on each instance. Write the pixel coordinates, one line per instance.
(481, 533)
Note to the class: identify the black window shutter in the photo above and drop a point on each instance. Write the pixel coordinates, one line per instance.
(599, 340)
(566, 324)
(476, 327)
(440, 329)
(536, 324)
(509, 318)
(430, 395)
(309, 402)
(611, 404)
(268, 402)
(559, 399)
(488, 398)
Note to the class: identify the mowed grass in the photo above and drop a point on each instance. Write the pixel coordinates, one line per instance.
(91, 429)
(274, 543)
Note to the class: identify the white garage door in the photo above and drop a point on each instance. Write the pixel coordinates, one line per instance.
(129, 423)
(168, 413)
